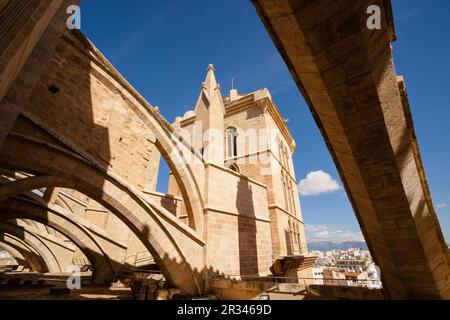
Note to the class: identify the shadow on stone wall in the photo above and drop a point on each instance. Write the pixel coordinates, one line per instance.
(248, 251)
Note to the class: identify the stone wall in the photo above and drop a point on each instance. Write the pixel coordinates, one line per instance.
(104, 125)
(238, 225)
(260, 159)
(346, 74)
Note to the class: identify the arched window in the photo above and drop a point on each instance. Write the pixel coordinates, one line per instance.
(281, 152)
(278, 144)
(288, 190)
(296, 234)
(231, 135)
(286, 158)
(234, 167)
(283, 155)
(285, 191)
(291, 189)
(291, 237)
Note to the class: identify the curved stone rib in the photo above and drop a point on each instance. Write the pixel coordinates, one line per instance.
(182, 264)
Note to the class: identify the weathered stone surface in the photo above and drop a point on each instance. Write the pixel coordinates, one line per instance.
(346, 75)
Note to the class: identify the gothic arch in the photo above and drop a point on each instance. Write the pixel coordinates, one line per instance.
(176, 248)
(177, 154)
(59, 220)
(19, 250)
(21, 234)
(16, 254)
(234, 167)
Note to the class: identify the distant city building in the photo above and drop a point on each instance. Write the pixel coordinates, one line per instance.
(6, 259)
(350, 267)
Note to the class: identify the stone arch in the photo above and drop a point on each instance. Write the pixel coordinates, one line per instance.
(16, 254)
(234, 167)
(73, 46)
(103, 272)
(34, 243)
(35, 262)
(177, 249)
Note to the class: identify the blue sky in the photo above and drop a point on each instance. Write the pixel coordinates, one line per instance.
(163, 48)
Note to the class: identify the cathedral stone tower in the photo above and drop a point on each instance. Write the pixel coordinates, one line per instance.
(247, 140)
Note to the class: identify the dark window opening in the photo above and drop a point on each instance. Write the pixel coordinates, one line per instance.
(231, 135)
(53, 89)
(235, 168)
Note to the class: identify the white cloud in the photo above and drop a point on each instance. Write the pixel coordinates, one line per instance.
(315, 233)
(441, 205)
(317, 182)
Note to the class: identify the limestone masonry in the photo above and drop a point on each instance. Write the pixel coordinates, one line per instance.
(80, 151)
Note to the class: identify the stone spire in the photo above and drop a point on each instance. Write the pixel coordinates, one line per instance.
(210, 91)
(210, 85)
(209, 112)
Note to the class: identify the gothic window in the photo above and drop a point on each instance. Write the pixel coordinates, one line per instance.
(291, 189)
(288, 190)
(281, 153)
(289, 242)
(286, 158)
(294, 232)
(286, 195)
(231, 135)
(235, 167)
(298, 238)
(289, 194)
